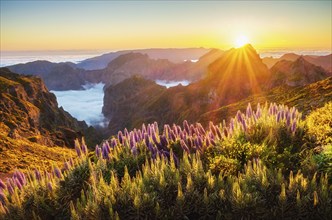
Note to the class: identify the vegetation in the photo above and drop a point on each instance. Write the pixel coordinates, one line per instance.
(267, 163)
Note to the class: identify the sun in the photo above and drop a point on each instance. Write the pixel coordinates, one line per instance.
(241, 41)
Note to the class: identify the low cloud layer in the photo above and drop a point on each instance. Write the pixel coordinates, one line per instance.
(84, 104)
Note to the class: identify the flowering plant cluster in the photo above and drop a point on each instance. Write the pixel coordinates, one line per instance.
(252, 166)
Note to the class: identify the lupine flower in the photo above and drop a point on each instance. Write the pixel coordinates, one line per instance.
(57, 172)
(3, 198)
(120, 137)
(37, 174)
(132, 140)
(113, 142)
(218, 133)
(10, 188)
(78, 150)
(126, 132)
(186, 126)
(18, 184)
(2, 185)
(184, 146)
(20, 176)
(84, 149)
(105, 152)
(249, 111)
(239, 116)
(172, 135)
(163, 141)
(200, 129)
(98, 151)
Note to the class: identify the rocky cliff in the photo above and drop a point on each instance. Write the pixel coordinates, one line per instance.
(29, 111)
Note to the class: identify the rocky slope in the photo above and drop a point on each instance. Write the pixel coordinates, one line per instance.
(296, 73)
(29, 111)
(34, 131)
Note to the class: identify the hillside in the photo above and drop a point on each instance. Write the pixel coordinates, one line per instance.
(296, 73)
(31, 121)
(305, 98)
(267, 163)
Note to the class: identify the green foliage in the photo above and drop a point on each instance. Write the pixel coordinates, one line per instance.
(263, 169)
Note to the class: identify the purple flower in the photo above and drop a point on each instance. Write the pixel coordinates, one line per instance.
(143, 128)
(126, 132)
(173, 137)
(207, 141)
(84, 149)
(113, 142)
(10, 188)
(218, 133)
(120, 137)
(186, 126)
(278, 117)
(105, 152)
(2, 185)
(37, 174)
(2, 198)
(155, 138)
(20, 176)
(57, 172)
(78, 150)
(98, 151)
(212, 128)
(200, 129)
(239, 116)
(18, 184)
(244, 125)
(163, 141)
(184, 146)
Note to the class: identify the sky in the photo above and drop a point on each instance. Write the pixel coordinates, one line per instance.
(115, 25)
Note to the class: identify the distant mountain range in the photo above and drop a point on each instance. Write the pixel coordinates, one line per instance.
(68, 76)
(323, 61)
(222, 82)
(236, 74)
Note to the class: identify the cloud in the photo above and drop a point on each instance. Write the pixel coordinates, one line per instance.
(84, 104)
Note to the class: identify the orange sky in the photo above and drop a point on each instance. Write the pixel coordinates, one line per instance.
(87, 25)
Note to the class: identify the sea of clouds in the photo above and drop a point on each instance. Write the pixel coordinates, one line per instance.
(84, 104)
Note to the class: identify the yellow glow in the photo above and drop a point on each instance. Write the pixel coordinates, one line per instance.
(241, 41)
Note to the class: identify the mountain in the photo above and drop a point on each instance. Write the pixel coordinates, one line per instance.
(32, 124)
(236, 74)
(296, 73)
(123, 101)
(173, 55)
(57, 76)
(323, 61)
